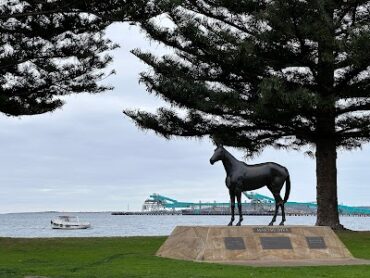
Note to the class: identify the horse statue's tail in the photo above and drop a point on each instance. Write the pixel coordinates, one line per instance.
(287, 189)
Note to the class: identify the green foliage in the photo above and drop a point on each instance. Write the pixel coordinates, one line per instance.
(52, 48)
(134, 257)
(266, 73)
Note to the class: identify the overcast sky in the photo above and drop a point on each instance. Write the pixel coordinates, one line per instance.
(88, 156)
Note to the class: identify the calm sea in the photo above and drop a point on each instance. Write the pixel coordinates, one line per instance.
(104, 224)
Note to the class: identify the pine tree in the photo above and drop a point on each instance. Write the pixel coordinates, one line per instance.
(53, 48)
(292, 74)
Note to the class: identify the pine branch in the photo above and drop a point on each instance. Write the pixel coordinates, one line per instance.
(285, 78)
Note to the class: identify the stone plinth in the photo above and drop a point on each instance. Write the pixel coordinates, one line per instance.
(258, 245)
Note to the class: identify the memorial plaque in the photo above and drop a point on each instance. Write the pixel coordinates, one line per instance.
(276, 243)
(271, 230)
(316, 242)
(234, 243)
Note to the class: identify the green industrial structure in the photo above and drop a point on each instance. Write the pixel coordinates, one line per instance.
(259, 204)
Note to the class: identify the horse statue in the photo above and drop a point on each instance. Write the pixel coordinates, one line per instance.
(242, 177)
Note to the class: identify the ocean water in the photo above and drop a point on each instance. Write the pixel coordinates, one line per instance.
(103, 224)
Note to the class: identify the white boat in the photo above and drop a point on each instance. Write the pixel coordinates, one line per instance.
(68, 223)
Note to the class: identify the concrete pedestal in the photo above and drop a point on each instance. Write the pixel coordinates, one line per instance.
(258, 245)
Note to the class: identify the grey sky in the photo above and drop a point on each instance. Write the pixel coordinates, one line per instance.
(89, 157)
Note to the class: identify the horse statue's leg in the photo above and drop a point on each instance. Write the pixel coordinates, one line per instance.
(239, 199)
(232, 206)
(282, 215)
(275, 214)
(278, 203)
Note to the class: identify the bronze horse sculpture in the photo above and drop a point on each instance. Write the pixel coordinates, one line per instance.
(242, 177)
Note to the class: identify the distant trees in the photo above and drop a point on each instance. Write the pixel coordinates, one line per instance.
(52, 48)
(288, 74)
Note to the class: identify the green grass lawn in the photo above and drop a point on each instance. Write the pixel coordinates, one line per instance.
(134, 257)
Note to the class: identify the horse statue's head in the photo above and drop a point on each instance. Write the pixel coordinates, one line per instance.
(219, 154)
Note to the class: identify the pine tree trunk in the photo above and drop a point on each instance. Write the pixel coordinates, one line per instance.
(326, 189)
(326, 149)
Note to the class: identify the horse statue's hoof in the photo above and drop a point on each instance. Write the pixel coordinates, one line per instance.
(271, 224)
(281, 224)
(238, 224)
(230, 224)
